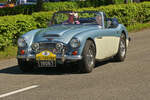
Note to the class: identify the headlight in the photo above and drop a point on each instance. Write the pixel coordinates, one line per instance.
(35, 46)
(21, 42)
(74, 43)
(59, 46)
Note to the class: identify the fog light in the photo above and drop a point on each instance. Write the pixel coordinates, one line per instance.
(22, 52)
(74, 52)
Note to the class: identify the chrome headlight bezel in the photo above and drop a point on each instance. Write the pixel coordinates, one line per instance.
(75, 43)
(35, 46)
(59, 46)
(21, 42)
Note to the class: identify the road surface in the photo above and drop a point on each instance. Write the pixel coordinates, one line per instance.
(128, 80)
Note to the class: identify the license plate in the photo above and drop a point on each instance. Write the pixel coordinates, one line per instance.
(46, 63)
(46, 59)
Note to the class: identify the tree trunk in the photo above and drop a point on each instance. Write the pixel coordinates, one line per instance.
(137, 1)
(39, 5)
(125, 1)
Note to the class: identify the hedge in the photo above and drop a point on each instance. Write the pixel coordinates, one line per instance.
(55, 6)
(128, 14)
(11, 27)
(21, 9)
(120, 1)
(42, 18)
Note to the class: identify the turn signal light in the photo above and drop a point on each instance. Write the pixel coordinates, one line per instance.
(74, 53)
(22, 52)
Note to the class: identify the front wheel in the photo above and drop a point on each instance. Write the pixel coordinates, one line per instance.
(87, 63)
(121, 55)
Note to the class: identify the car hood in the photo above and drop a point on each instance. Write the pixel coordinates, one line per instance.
(61, 33)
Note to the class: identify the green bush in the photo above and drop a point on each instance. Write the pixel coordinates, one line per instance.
(95, 3)
(22, 9)
(11, 27)
(119, 1)
(127, 14)
(42, 18)
(55, 6)
(3, 0)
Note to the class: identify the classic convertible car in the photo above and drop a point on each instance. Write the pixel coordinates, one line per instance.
(73, 37)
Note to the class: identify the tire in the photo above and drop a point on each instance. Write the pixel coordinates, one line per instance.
(87, 63)
(25, 66)
(121, 55)
(60, 67)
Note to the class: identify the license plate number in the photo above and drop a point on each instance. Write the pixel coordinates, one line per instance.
(46, 63)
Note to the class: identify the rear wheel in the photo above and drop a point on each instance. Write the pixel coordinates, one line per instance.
(25, 66)
(121, 55)
(87, 63)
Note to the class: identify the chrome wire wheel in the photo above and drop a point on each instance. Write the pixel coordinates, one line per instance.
(121, 55)
(122, 48)
(87, 63)
(90, 56)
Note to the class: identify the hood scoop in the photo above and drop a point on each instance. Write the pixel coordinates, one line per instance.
(51, 35)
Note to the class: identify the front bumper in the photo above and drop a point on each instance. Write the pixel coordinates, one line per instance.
(62, 58)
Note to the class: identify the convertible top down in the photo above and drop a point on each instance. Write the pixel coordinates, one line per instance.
(73, 37)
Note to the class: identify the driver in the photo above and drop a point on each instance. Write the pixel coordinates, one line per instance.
(73, 18)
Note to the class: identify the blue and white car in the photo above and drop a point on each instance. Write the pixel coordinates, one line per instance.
(73, 37)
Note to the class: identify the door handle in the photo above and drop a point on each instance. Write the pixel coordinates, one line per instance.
(99, 37)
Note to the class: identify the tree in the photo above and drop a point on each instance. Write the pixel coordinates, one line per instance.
(137, 1)
(39, 5)
(125, 1)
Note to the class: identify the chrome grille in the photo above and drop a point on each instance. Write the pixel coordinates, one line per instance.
(47, 46)
(51, 47)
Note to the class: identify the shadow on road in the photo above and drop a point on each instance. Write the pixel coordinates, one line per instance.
(50, 71)
(37, 71)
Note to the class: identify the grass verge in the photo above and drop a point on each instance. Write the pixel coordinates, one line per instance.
(11, 51)
(138, 27)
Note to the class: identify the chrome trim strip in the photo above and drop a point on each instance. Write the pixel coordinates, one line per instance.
(66, 57)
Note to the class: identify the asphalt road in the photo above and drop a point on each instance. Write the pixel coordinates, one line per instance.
(128, 80)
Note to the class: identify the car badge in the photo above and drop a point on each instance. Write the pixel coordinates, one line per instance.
(45, 53)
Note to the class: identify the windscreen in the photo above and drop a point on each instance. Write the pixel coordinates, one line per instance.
(77, 18)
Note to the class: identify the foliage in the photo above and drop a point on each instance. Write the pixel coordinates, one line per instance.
(55, 6)
(51, 6)
(21, 9)
(119, 1)
(8, 52)
(127, 14)
(3, 0)
(42, 18)
(138, 26)
(11, 27)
